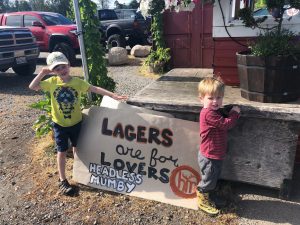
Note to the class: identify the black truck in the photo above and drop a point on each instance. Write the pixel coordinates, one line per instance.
(18, 50)
(121, 27)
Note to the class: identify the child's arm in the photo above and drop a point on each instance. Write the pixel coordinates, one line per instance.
(236, 108)
(218, 121)
(101, 91)
(35, 83)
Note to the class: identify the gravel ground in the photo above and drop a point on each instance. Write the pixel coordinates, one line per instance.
(28, 176)
(129, 80)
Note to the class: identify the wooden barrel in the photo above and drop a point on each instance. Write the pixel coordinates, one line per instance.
(270, 79)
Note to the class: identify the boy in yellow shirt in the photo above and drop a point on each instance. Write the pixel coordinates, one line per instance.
(65, 92)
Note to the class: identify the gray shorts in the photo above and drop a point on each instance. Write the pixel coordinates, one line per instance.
(210, 171)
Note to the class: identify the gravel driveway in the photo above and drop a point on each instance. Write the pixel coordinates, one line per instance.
(19, 170)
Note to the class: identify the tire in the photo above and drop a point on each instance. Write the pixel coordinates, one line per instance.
(149, 40)
(67, 50)
(116, 40)
(25, 70)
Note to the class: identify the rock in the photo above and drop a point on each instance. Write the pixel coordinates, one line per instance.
(117, 56)
(140, 51)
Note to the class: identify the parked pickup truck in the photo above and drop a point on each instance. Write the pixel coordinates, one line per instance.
(53, 31)
(18, 50)
(121, 27)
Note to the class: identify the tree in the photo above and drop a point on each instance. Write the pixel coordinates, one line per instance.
(133, 4)
(5, 6)
(103, 4)
(94, 51)
(24, 6)
(118, 5)
(58, 6)
(38, 5)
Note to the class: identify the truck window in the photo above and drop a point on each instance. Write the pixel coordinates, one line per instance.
(107, 15)
(129, 14)
(14, 20)
(120, 14)
(56, 19)
(29, 19)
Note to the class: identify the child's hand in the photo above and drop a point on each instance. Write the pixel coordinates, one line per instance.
(46, 71)
(236, 108)
(119, 97)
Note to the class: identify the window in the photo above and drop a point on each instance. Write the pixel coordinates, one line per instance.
(56, 19)
(107, 15)
(28, 20)
(236, 5)
(14, 20)
(120, 14)
(128, 14)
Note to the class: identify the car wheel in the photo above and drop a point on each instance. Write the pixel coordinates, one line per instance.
(25, 70)
(149, 40)
(116, 40)
(67, 50)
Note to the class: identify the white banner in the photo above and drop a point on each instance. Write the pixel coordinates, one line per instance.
(140, 154)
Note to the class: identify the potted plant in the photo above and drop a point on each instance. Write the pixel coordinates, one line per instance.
(270, 70)
(157, 59)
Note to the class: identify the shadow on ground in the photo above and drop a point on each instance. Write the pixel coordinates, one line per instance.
(263, 204)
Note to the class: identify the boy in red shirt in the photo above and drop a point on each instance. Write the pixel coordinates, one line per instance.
(213, 145)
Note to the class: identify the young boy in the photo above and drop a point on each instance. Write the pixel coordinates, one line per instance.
(213, 133)
(65, 92)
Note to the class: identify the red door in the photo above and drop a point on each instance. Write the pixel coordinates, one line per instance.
(189, 35)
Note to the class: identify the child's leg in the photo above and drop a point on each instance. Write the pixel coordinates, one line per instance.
(61, 139)
(74, 135)
(209, 178)
(210, 171)
(61, 165)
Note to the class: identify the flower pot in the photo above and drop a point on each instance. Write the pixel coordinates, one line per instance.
(272, 79)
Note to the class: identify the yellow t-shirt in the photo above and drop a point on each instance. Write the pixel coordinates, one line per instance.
(65, 99)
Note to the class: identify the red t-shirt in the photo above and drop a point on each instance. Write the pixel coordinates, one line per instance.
(213, 132)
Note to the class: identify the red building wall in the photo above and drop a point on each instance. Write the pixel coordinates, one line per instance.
(224, 61)
(189, 36)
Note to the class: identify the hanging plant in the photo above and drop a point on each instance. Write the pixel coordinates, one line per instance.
(159, 55)
(95, 54)
(173, 5)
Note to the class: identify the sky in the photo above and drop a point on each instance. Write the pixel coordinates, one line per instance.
(112, 2)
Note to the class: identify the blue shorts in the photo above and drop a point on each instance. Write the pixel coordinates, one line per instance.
(62, 136)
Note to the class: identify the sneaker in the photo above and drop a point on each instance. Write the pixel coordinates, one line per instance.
(206, 205)
(66, 188)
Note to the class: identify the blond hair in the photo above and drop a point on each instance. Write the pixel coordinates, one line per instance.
(211, 86)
